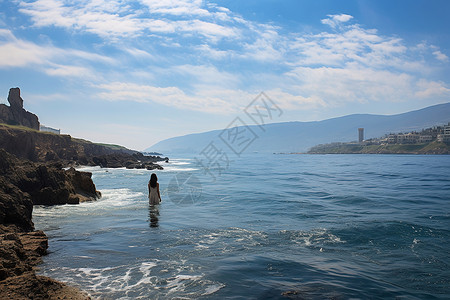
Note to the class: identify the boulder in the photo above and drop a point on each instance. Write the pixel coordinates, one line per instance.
(46, 184)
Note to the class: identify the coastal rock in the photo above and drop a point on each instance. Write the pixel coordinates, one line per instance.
(134, 161)
(24, 183)
(21, 248)
(19, 252)
(30, 286)
(15, 206)
(15, 114)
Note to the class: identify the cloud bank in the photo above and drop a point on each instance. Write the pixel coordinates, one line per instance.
(200, 56)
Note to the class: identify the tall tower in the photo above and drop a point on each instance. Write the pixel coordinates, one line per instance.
(360, 135)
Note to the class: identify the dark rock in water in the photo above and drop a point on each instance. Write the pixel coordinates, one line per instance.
(134, 161)
(15, 114)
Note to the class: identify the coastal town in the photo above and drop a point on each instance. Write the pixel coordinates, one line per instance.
(433, 140)
(439, 134)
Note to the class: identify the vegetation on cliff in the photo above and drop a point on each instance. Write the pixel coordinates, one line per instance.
(38, 146)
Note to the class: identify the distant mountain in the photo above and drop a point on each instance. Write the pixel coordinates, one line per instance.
(300, 136)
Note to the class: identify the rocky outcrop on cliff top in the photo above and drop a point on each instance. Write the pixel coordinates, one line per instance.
(15, 114)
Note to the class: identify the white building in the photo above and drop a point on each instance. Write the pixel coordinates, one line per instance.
(49, 129)
(446, 135)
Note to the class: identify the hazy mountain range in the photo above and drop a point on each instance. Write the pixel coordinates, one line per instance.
(300, 136)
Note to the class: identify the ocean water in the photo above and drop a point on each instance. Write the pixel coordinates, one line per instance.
(266, 227)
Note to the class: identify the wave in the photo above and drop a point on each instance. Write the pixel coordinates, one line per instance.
(150, 279)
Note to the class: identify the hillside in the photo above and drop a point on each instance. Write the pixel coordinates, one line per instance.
(348, 148)
(37, 146)
(301, 136)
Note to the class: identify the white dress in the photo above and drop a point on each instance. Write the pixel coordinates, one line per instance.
(153, 197)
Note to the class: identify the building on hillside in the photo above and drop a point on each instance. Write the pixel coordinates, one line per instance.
(392, 139)
(49, 129)
(446, 134)
(423, 139)
(360, 135)
(408, 138)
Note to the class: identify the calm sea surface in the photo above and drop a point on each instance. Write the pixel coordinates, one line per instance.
(267, 227)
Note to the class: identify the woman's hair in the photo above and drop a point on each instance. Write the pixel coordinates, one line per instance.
(153, 180)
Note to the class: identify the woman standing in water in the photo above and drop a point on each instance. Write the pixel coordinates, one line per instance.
(153, 190)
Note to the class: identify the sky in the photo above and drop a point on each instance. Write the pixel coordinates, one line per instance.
(137, 72)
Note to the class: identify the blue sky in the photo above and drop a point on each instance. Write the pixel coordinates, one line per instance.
(136, 72)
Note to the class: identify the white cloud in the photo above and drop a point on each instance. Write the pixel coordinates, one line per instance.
(441, 56)
(49, 59)
(176, 7)
(206, 98)
(21, 53)
(139, 53)
(337, 86)
(344, 64)
(69, 71)
(112, 20)
(350, 45)
(206, 75)
(428, 89)
(336, 20)
(170, 96)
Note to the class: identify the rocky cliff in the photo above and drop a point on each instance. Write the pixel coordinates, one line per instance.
(33, 170)
(47, 147)
(22, 184)
(15, 114)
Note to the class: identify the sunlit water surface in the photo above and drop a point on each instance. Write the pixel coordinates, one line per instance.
(266, 227)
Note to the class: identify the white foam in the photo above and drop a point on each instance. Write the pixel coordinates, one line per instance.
(176, 169)
(148, 279)
(120, 197)
(313, 238)
(179, 165)
(212, 289)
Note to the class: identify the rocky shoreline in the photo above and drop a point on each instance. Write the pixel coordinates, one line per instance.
(37, 168)
(22, 185)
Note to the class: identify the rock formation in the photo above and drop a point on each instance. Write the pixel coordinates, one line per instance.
(22, 184)
(46, 184)
(31, 172)
(15, 114)
(45, 147)
(20, 252)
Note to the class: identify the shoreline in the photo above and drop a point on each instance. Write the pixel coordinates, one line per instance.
(24, 252)
(433, 148)
(24, 184)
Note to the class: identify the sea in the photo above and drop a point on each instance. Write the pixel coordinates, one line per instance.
(260, 226)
